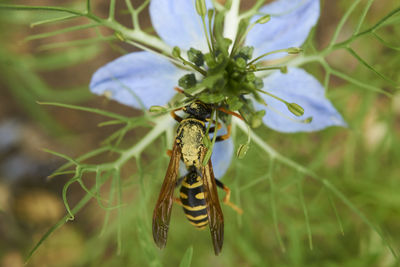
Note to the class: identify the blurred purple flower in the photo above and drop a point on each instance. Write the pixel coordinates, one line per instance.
(151, 78)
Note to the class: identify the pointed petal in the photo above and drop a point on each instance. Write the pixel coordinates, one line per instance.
(290, 24)
(221, 157)
(139, 75)
(178, 24)
(297, 86)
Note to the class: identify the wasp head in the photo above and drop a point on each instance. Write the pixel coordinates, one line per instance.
(199, 110)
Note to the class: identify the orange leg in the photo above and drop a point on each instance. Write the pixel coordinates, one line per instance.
(227, 197)
(178, 201)
(169, 152)
(230, 113)
(179, 90)
(225, 136)
(176, 117)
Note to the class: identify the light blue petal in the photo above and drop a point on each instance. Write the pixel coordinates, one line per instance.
(139, 75)
(221, 157)
(290, 24)
(297, 86)
(178, 24)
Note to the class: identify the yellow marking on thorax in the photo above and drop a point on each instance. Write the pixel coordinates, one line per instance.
(199, 224)
(198, 218)
(196, 208)
(199, 195)
(183, 195)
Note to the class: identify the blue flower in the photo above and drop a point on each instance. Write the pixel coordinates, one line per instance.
(146, 79)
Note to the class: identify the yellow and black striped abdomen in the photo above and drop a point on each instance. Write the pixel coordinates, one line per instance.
(192, 197)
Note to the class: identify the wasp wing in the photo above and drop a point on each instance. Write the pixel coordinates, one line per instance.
(214, 212)
(162, 211)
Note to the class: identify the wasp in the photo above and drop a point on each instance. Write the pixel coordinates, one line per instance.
(198, 193)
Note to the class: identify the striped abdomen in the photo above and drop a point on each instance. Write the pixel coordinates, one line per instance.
(192, 197)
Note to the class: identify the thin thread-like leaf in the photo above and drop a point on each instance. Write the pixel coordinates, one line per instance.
(363, 15)
(336, 212)
(349, 204)
(53, 33)
(385, 43)
(53, 20)
(360, 59)
(187, 258)
(275, 155)
(83, 157)
(110, 200)
(88, 41)
(119, 218)
(60, 223)
(61, 156)
(92, 110)
(342, 22)
(273, 206)
(304, 207)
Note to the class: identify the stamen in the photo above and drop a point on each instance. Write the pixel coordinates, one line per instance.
(290, 50)
(253, 68)
(176, 52)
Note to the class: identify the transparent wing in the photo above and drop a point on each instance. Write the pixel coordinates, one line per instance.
(215, 216)
(162, 211)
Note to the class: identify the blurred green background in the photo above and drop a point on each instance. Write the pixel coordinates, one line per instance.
(288, 220)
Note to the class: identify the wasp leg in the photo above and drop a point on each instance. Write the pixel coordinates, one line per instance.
(176, 117)
(179, 90)
(178, 201)
(225, 136)
(228, 196)
(212, 129)
(230, 113)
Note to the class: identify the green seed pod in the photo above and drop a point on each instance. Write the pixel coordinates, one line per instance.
(242, 151)
(296, 109)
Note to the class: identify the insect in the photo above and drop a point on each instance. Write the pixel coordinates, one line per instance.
(198, 193)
